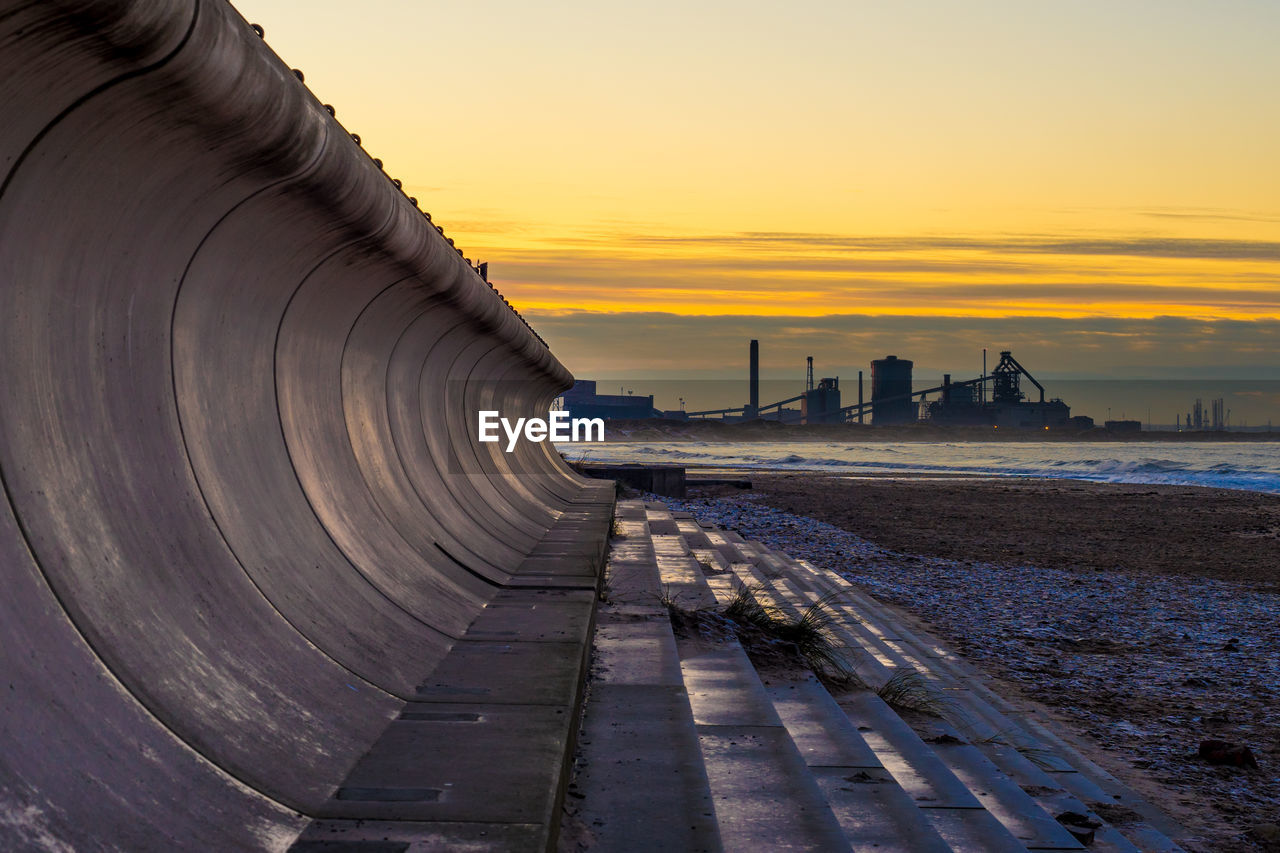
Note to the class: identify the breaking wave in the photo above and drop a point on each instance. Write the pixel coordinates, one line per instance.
(1250, 466)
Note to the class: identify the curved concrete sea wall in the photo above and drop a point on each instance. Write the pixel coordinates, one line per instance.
(245, 512)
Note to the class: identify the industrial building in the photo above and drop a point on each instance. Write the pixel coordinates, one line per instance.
(1198, 419)
(891, 391)
(995, 399)
(821, 404)
(963, 404)
(582, 401)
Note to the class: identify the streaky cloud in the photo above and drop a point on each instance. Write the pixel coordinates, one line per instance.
(598, 342)
(1172, 247)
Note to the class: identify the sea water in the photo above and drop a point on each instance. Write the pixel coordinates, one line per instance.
(1253, 466)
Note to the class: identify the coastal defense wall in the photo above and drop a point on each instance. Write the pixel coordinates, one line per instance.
(244, 514)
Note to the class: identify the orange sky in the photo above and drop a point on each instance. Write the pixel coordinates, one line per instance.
(1090, 160)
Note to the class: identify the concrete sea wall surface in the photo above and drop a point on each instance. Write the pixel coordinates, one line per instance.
(245, 511)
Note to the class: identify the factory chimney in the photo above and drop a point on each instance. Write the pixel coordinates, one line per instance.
(861, 410)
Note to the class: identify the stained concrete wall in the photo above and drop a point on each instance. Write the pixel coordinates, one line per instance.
(245, 513)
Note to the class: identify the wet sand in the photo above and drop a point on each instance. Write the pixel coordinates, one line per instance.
(1064, 524)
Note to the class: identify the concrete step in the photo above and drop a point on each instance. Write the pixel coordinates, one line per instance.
(895, 640)
(630, 794)
(639, 779)
(720, 541)
(1000, 794)
(693, 533)
(818, 724)
(984, 721)
(871, 805)
(771, 759)
(765, 798)
(874, 811)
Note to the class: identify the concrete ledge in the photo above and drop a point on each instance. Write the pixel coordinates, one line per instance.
(666, 480)
(460, 762)
(377, 836)
(503, 673)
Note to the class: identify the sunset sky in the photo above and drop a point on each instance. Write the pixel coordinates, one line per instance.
(1095, 184)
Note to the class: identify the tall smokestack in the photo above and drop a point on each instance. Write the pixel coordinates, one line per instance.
(860, 410)
(755, 378)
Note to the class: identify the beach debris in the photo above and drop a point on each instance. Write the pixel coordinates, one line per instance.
(945, 738)
(1079, 825)
(862, 777)
(1041, 790)
(1225, 753)
(1115, 813)
(1267, 835)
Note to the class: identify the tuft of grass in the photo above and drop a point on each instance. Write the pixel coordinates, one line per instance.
(809, 634)
(767, 634)
(746, 609)
(1045, 759)
(812, 634)
(672, 602)
(694, 622)
(911, 690)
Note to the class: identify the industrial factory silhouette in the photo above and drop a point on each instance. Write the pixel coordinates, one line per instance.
(995, 399)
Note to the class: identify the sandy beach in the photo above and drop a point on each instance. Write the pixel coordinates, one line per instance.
(1063, 524)
(1145, 618)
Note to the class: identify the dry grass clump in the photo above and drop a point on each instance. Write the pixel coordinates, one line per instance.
(911, 690)
(770, 636)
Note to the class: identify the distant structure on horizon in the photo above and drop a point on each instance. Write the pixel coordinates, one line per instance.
(1008, 407)
(582, 401)
(893, 401)
(819, 404)
(1197, 419)
(891, 391)
(1123, 426)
